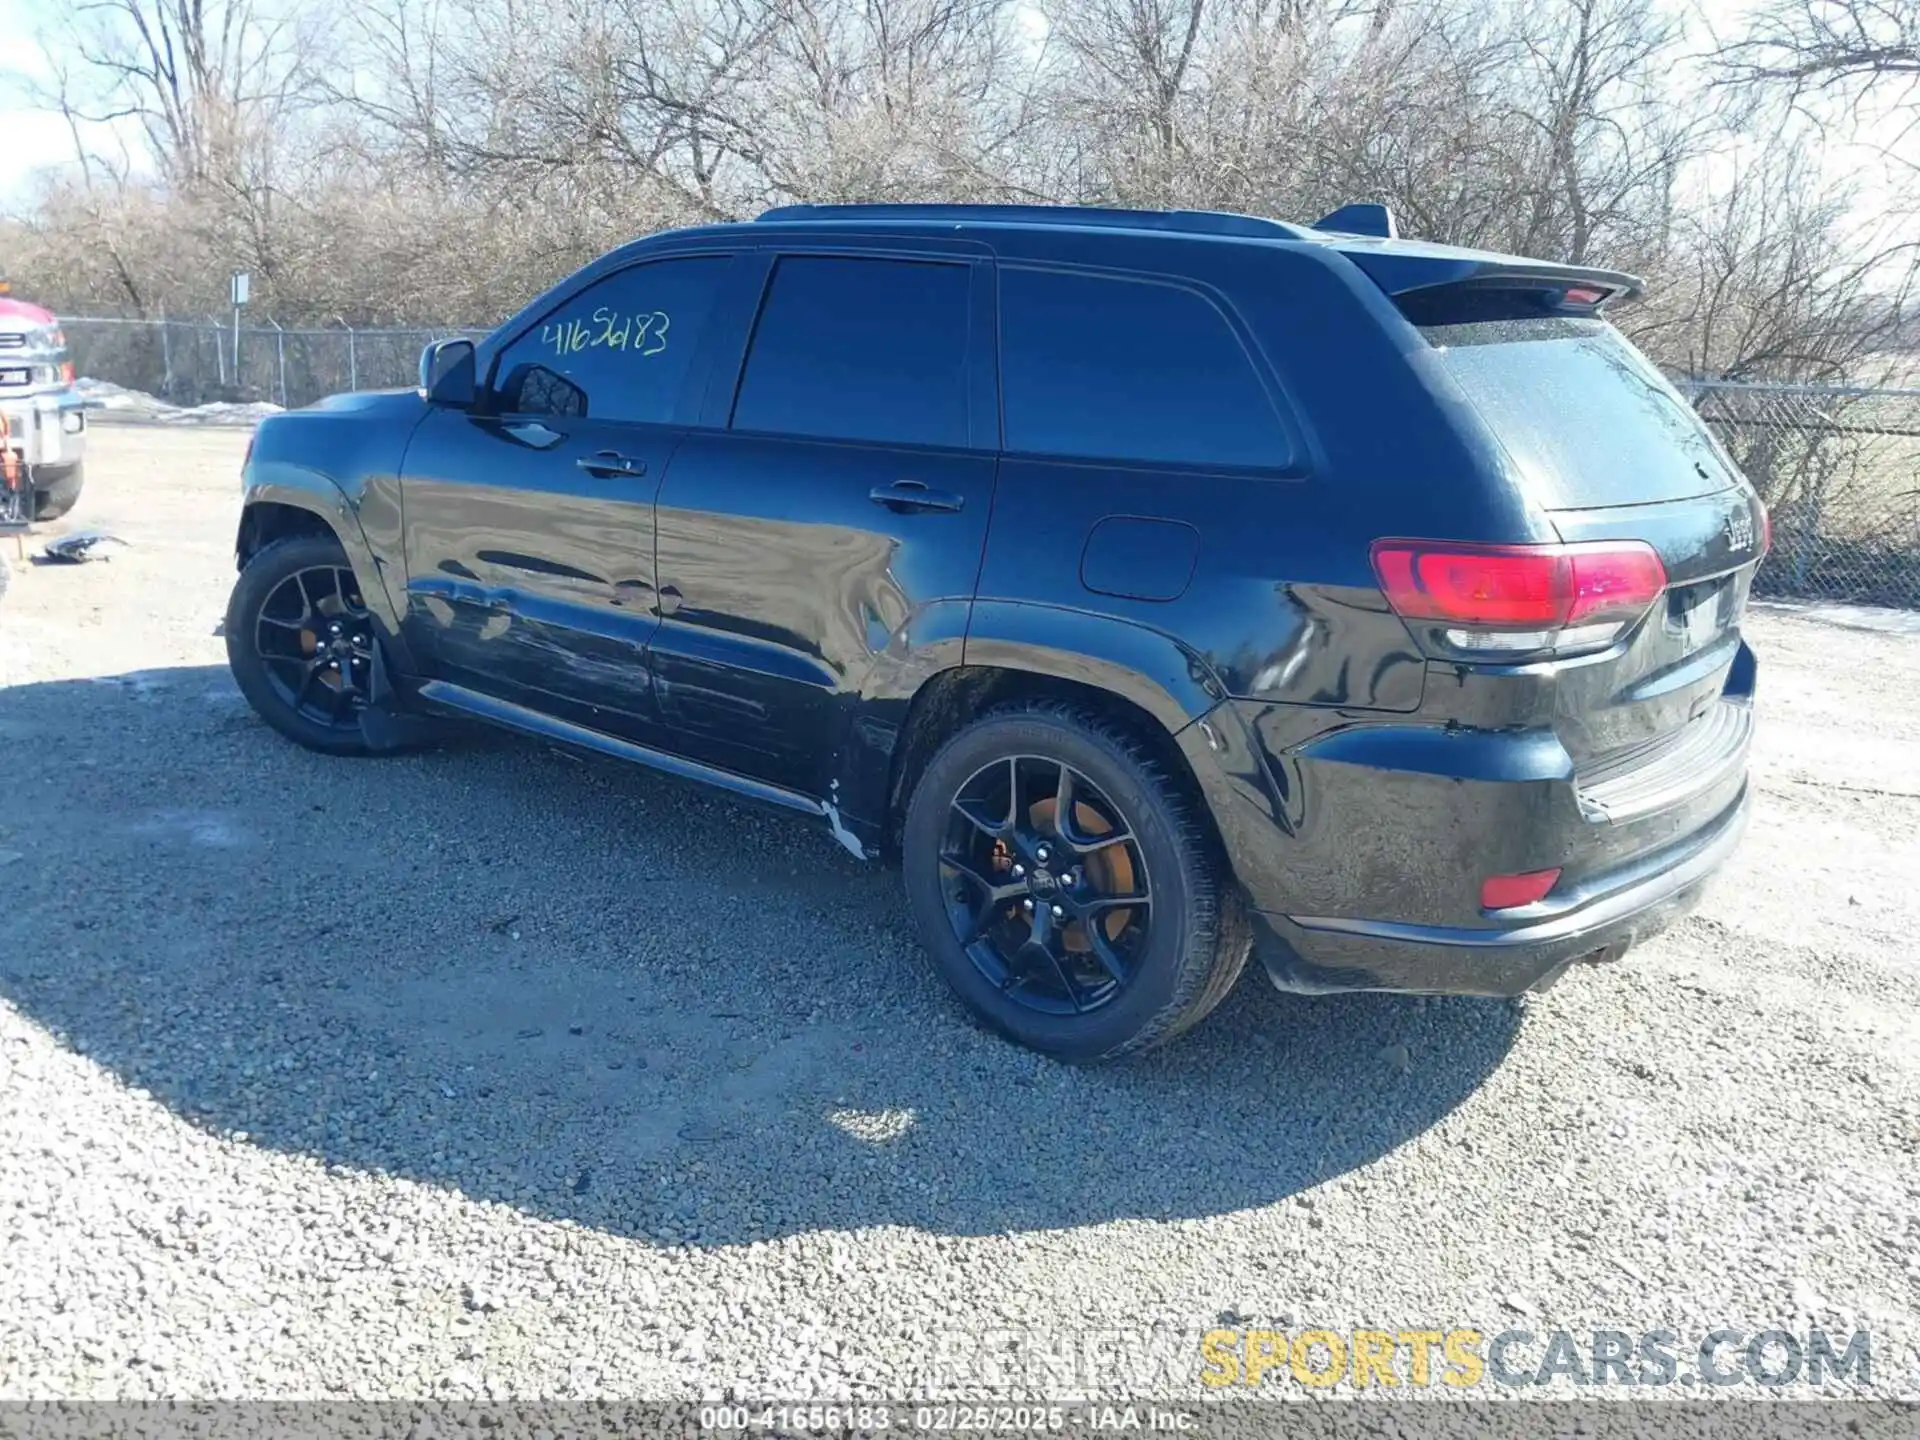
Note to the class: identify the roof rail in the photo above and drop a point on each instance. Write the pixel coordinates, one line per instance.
(1361, 218)
(1186, 222)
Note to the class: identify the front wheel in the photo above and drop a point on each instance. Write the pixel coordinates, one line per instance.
(57, 491)
(1066, 886)
(300, 643)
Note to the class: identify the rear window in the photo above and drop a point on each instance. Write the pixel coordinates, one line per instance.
(1099, 367)
(1584, 415)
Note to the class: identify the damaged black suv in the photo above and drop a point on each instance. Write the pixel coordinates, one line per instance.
(1160, 588)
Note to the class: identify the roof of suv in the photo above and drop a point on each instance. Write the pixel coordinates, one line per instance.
(1363, 233)
(1411, 272)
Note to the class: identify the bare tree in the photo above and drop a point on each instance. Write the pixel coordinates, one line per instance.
(438, 161)
(1821, 44)
(206, 80)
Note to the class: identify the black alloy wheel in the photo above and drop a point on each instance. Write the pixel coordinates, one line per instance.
(302, 643)
(1048, 891)
(315, 637)
(1067, 884)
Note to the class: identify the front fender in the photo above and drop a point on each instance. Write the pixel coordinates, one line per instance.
(340, 461)
(318, 495)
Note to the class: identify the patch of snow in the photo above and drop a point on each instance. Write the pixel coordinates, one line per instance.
(121, 403)
(1877, 619)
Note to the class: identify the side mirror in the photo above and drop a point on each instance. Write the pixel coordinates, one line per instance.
(447, 374)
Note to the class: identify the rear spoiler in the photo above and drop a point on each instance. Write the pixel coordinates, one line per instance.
(1438, 285)
(1448, 284)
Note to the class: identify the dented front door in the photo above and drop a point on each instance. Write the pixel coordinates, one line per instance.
(530, 578)
(529, 520)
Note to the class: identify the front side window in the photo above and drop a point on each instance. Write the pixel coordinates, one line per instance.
(1107, 368)
(618, 350)
(859, 349)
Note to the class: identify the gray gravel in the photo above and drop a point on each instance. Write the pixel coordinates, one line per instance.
(494, 1072)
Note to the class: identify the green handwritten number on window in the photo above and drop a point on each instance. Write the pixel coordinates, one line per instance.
(653, 333)
(567, 337)
(642, 333)
(615, 330)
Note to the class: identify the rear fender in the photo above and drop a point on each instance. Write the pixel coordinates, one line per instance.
(1147, 667)
(1150, 670)
(1164, 678)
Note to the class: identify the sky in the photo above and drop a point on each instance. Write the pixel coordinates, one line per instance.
(34, 140)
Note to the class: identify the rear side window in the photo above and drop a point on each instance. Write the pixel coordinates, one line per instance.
(860, 350)
(1099, 367)
(618, 350)
(1584, 415)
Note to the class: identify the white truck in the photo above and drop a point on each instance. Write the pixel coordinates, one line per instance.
(43, 421)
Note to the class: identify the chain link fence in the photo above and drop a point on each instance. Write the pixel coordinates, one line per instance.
(1838, 467)
(198, 362)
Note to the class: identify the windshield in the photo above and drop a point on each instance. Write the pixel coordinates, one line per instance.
(1584, 415)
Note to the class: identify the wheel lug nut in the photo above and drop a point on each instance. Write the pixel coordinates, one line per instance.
(1059, 912)
(1042, 855)
(1018, 871)
(1026, 905)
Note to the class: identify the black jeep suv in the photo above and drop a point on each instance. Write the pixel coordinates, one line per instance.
(1160, 587)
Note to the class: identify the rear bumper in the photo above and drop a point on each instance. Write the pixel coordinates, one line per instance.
(1594, 921)
(46, 429)
(1361, 842)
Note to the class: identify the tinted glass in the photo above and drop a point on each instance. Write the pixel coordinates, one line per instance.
(860, 350)
(619, 350)
(1586, 418)
(1128, 370)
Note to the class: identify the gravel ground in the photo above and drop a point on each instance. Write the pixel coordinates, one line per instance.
(494, 1072)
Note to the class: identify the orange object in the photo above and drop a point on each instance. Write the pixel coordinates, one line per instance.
(9, 462)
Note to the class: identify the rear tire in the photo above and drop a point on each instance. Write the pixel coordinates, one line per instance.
(300, 643)
(56, 491)
(1155, 969)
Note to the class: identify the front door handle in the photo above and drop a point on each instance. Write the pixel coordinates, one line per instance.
(905, 495)
(611, 462)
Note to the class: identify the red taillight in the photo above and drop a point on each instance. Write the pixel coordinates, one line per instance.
(1518, 598)
(66, 371)
(1766, 529)
(1504, 892)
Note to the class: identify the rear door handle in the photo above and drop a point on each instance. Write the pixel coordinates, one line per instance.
(905, 495)
(611, 462)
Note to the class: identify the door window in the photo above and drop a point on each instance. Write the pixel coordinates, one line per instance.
(856, 349)
(618, 350)
(1101, 367)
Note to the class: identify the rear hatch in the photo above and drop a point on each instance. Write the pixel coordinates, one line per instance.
(1611, 452)
(1654, 711)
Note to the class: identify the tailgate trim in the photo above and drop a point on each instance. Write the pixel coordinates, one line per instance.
(1670, 770)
